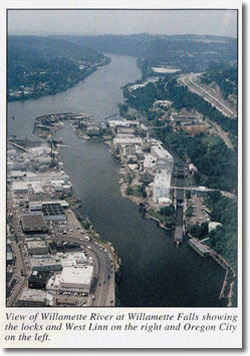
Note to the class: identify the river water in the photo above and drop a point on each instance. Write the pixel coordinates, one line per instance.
(154, 272)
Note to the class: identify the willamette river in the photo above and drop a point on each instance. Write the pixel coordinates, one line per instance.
(154, 272)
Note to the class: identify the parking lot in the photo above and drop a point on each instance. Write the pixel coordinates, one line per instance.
(200, 211)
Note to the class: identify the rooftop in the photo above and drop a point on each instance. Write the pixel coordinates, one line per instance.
(34, 243)
(52, 209)
(33, 295)
(163, 179)
(33, 223)
(77, 274)
(44, 261)
(161, 152)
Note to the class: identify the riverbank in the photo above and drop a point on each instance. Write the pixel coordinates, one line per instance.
(228, 284)
(141, 202)
(88, 226)
(58, 89)
(95, 175)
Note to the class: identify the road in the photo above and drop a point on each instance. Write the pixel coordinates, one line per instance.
(104, 274)
(105, 286)
(190, 81)
(223, 135)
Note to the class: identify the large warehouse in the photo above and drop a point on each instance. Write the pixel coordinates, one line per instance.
(37, 246)
(33, 223)
(77, 279)
(45, 263)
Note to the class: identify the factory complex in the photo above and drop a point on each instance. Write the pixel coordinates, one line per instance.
(52, 259)
(148, 164)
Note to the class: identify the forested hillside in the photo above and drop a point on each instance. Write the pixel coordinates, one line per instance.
(186, 52)
(42, 65)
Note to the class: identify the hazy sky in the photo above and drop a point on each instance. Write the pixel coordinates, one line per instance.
(169, 22)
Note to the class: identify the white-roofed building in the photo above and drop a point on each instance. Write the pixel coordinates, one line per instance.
(73, 259)
(212, 225)
(21, 187)
(77, 279)
(161, 187)
(165, 160)
(17, 174)
(149, 162)
(35, 298)
(122, 123)
(118, 141)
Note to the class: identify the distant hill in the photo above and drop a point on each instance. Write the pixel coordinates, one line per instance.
(43, 65)
(46, 65)
(187, 52)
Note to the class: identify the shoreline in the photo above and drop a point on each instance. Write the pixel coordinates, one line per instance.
(138, 200)
(230, 275)
(97, 237)
(91, 70)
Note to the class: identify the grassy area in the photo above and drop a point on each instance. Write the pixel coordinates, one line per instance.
(165, 215)
(137, 191)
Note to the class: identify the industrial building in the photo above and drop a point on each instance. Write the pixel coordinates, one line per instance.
(45, 178)
(149, 163)
(124, 130)
(37, 246)
(39, 279)
(113, 124)
(16, 174)
(161, 188)
(73, 259)
(53, 212)
(164, 103)
(164, 158)
(20, 187)
(77, 279)
(36, 205)
(63, 246)
(35, 298)
(128, 153)
(33, 223)
(120, 140)
(46, 263)
(10, 256)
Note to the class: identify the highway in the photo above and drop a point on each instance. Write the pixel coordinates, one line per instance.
(190, 81)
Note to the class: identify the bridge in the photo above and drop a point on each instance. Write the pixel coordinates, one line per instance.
(207, 190)
(198, 189)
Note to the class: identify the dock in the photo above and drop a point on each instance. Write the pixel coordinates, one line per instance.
(178, 235)
(201, 249)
